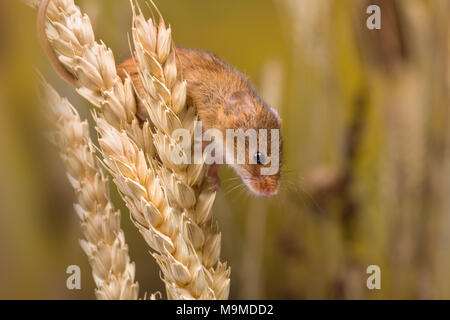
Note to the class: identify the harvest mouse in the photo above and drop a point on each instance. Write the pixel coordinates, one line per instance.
(224, 99)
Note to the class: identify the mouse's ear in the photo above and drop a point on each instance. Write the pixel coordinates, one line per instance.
(239, 102)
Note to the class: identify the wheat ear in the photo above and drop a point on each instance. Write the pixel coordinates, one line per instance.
(104, 241)
(167, 202)
(70, 34)
(177, 206)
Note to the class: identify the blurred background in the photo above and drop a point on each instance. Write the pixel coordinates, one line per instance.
(367, 150)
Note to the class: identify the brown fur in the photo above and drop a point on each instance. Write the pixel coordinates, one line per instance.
(223, 96)
(225, 99)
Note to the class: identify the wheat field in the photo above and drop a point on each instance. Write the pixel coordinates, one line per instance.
(366, 177)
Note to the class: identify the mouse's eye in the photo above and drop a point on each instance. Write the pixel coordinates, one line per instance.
(259, 157)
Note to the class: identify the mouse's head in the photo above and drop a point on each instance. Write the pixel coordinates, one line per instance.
(259, 165)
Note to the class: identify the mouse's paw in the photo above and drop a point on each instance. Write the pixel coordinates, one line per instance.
(213, 183)
(212, 179)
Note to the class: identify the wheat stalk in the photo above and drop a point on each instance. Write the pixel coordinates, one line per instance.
(168, 203)
(104, 241)
(70, 34)
(199, 271)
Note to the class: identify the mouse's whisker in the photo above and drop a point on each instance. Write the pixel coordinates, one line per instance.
(311, 198)
(234, 188)
(232, 179)
(232, 185)
(240, 189)
(244, 192)
(289, 183)
(291, 186)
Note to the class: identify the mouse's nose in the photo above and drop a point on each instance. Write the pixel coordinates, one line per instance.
(270, 193)
(266, 186)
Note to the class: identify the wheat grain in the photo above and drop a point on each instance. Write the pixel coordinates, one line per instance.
(201, 273)
(104, 241)
(70, 34)
(169, 203)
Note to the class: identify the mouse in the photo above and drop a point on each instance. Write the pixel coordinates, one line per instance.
(224, 99)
